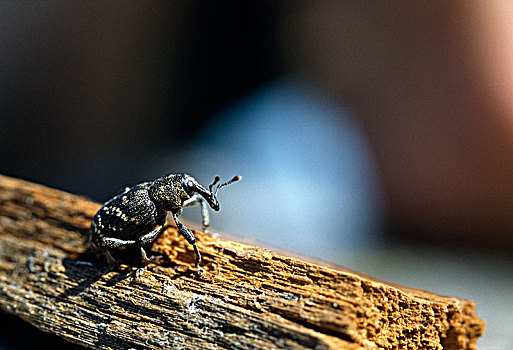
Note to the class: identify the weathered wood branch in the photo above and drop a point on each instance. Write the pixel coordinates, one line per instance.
(249, 298)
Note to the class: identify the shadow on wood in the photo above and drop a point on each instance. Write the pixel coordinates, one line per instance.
(247, 298)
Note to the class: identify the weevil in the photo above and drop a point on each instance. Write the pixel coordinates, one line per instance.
(137, 215)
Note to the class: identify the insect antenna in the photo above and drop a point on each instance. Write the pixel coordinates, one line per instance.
(235, 178)
(216, 180)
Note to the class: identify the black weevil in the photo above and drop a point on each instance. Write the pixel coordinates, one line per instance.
(138, 215)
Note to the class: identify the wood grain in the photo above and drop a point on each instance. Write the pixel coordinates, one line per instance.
(249, 298)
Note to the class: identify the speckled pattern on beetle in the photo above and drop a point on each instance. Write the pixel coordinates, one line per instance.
(138, 215)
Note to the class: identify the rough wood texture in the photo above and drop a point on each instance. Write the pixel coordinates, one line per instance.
(249, 298)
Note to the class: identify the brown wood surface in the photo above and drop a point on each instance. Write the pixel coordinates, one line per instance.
(249, 298)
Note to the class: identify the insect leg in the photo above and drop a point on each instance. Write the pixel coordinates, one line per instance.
(192, 201)
(108, 256)
(188, 235)
(144, 257)
(147, 238)
(110, 242)
(205, 216)
(150, 236)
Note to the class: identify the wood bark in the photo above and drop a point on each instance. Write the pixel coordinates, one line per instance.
(248, 298)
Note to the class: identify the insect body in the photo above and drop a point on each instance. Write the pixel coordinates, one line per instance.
(138, 215)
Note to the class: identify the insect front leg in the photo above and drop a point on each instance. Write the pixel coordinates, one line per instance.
(198, 199)
(189, 236)
(205, 216)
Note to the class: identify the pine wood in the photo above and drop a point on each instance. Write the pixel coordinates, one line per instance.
(249, 298)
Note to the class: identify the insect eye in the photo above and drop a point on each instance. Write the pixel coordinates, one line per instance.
(189, 187)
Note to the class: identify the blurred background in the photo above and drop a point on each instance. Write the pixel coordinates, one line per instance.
(376, 136)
